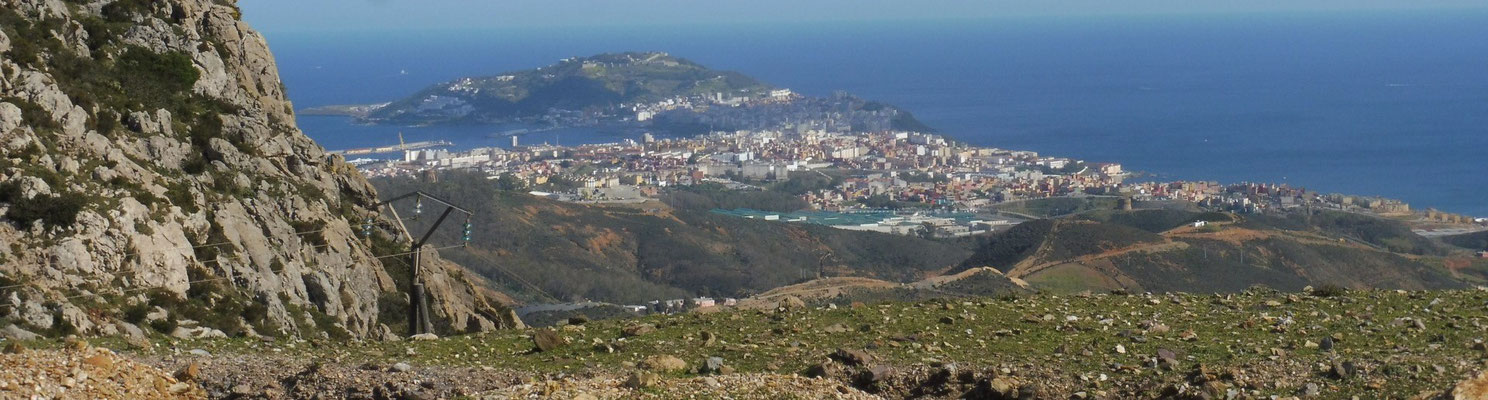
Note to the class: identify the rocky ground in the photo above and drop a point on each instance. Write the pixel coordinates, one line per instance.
(81, 371)
(1254, 345)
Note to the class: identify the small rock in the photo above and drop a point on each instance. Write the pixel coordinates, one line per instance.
(642, 380)
(200, 353)
(792, 303)
(1120, 349)
(664, 363)
(547, 340)
(1311, 389)
(424, 337)
(578, 319)
(1326, 344)
(880, 373)
(402, 367)
(852, 357)
(1344, 369)
(99, 361)
(637, 330)
(713, 365)
(708, 338)
(190, 373)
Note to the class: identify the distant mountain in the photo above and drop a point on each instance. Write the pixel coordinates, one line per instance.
(572, 84)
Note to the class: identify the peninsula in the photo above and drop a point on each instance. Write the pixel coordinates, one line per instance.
(654, 91)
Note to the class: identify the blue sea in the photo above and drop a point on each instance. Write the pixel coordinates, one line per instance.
(1394, 105)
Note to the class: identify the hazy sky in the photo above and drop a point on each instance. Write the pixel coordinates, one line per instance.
(384, 15)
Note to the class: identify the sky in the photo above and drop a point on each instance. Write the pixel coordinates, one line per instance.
(299, 16)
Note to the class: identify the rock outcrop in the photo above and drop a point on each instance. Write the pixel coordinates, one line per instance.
(151, 173)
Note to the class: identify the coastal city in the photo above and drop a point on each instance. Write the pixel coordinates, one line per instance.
(884, 180)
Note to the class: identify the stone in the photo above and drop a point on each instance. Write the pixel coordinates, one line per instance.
(708, 338)
(851, 357)
(664, 363)
(1120, 349)
(189, 373)
(200, 353)
(836, 328)
(578, 319)
(1343, 369)
(637, 330)
(99, 361)
(424, 337)
(10, 116)
(1326, 344)
(713, 365)
(792, 303)
(548, 340)
(642, 380)
(14, 332)
(880, 373)
(1311, 389)
(1473, 388)
(402, 367)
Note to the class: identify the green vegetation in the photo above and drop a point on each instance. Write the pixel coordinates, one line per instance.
(1058, 206)
(1262, 342)
(710, 196)
(1155, 221)
(52, 210)
(642, 255)
(1473, 241)
(578, 84)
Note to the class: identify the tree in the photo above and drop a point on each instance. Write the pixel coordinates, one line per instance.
(511, 183)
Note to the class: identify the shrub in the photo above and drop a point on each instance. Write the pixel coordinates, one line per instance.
(51, 210)
(1329, 290)
(146, 75)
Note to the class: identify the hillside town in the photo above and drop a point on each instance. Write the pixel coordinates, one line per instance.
(863, 173)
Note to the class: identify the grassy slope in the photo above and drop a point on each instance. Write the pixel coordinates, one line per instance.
(1242, 339)
(1281, 252)
(622, 254)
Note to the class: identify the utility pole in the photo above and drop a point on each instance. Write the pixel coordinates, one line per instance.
(418, 315)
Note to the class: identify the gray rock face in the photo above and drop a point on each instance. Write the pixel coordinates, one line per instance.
(256, 217)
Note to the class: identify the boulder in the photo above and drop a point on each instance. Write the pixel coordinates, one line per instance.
(792, 303)
(642, 380)
(548, 340)
(851, 357)
(664, 363)
(713, 365)
(637, 329)
(14, 332)
(1472, 388)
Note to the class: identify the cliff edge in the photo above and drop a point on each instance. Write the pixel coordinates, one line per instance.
(153, 177)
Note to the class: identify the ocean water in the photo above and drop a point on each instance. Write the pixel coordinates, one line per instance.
(1393, 105)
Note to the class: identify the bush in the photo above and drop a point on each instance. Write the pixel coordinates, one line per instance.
(146, 75)
(52, 211)
(1329, 290)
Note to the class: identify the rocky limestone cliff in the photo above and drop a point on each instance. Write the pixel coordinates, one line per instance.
(152, 175)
